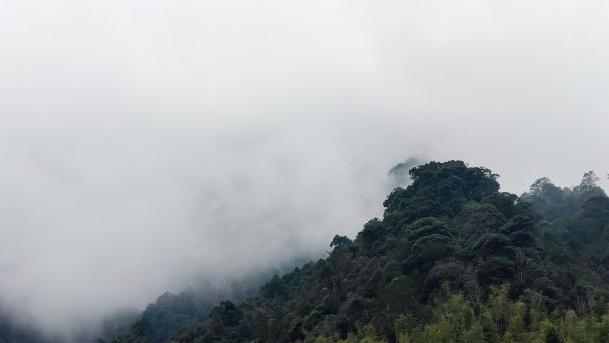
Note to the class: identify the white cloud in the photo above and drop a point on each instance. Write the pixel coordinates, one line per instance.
(145, 144)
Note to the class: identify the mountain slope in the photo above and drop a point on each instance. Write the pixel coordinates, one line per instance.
(452, 260)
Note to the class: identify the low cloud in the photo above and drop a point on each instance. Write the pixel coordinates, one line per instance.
(149, 145)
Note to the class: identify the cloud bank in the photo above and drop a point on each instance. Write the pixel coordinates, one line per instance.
(147, 145)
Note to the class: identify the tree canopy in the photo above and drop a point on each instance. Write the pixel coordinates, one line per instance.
(452, 260)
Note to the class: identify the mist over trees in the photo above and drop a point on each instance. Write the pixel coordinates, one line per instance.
(399, 174)
(453, 259)
(155, 153)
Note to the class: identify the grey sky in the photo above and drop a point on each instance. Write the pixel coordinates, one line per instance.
(146, 144)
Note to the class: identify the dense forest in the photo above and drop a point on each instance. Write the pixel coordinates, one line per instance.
(452, 260)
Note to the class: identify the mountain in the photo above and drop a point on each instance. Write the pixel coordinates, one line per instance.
(171, 313)
(452, 260)
(12, 332)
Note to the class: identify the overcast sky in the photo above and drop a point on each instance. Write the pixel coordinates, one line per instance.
(147, 144)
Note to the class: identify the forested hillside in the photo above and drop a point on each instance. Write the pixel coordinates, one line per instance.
(171, 313)
(452, 260)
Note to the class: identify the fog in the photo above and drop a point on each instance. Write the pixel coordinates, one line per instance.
(149, 145)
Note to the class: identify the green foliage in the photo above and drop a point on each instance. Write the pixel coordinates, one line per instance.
(340, 241)
(452, 260)
(167, 316)
(441, 189)
(477, 219)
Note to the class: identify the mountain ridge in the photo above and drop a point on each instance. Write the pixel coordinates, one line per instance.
(452, 260)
